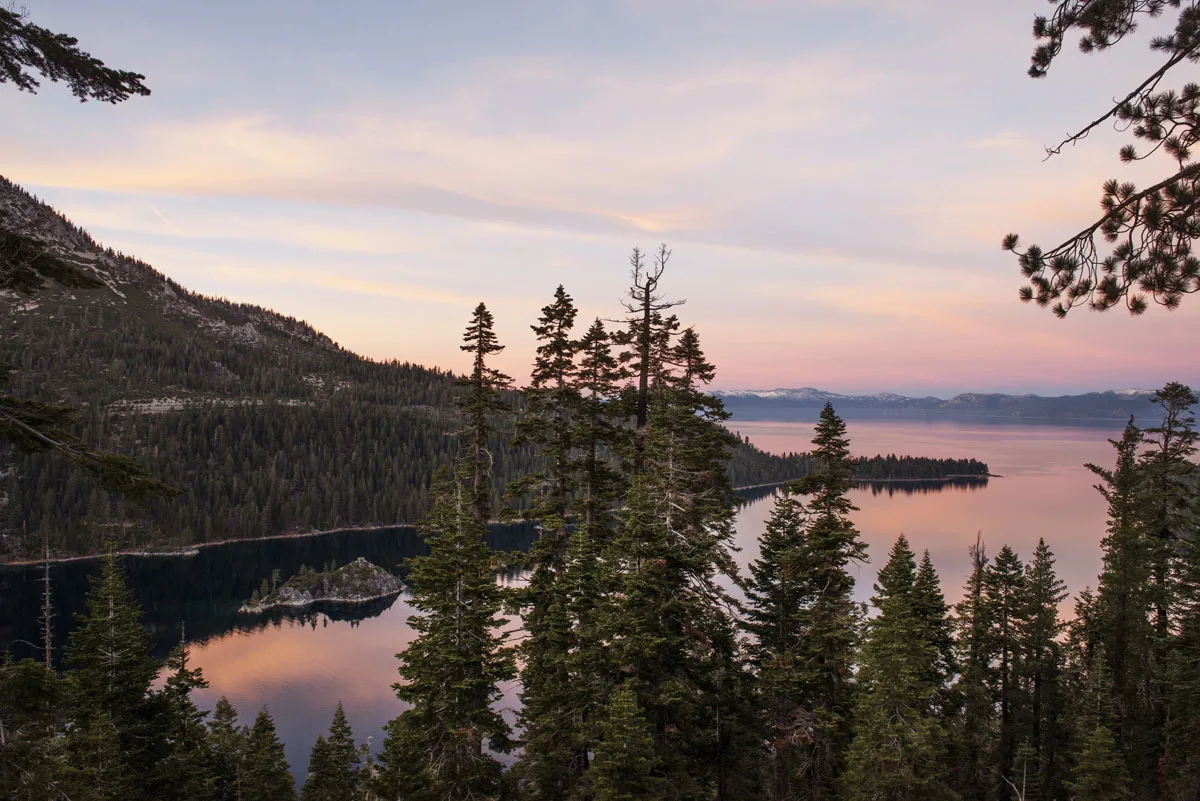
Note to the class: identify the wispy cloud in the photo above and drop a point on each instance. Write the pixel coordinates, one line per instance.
(835, 177)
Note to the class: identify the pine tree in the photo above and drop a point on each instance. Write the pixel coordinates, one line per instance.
(1099, 773)
(590, 577)
(1040, 674)
(829, 617)
(776, 590)
(673, 544)
(597, 432)
(344, 756)
(333, 765)
(227, 744)
(185, 771)
(450, 671)
(896, 751)
(265, 773)
(25, 47)
(96, 762)
(974, 734)
(1004, 593)
(625, 767)
(1164, 465)
(937, 630)
(1182, 762)
(549, 764)
(480, 403)
(649, 338)
(111, 671)
(1124, 610)
(315, 783)
(31, 761)
(552, 402)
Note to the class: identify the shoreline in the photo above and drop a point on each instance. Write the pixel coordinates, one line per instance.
(184, 552)
(956, 477)
(188, 551)
(242, 610)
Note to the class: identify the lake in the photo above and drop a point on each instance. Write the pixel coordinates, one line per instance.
(301, 665)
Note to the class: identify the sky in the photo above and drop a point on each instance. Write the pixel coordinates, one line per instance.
(833, 177)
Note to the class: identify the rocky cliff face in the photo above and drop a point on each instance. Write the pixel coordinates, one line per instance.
(357, 582)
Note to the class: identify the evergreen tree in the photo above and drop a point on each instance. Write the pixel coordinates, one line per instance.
(315, 783)
(111, 671)
(31, 759)
(1043, 704)
(26, 48)
(333, 765)
(829, 616)
(1124, 612)
(1150, 231)
(96, 762)
(974, 735)
(625, 767)
(551, 404)
(1182, 762)
(1099, 772)
(186, 770)
(479, 404)
(1004, 594)
(776, 590)
(896, 752)
(265, 773)
(648, 337)
(450, 671)
(344, 756)
(1025, 778)
(597, 433)
(937, 630)
(549, 763)
(1165, 465)
(666, 557)
(590, 578)
(227, 744)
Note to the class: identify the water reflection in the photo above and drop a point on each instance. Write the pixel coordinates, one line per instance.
(203, 592)
(301, 663)
(916, 486)
(1042, 490)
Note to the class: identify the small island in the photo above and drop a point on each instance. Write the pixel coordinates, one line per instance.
(356, 583)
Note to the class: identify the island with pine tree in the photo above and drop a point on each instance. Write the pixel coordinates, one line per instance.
(356, 583)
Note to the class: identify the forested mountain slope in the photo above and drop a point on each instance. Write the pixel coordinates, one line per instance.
(266, 426)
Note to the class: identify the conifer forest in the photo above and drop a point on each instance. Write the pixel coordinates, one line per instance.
(633, 647)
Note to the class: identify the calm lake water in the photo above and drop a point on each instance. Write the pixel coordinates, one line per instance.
(301, 665)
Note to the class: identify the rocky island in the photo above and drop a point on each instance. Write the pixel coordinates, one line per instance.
(358, 582)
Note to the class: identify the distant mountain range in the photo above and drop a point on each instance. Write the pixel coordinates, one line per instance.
(1111, 407)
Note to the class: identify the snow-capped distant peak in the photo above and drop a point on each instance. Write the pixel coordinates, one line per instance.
(801, 393)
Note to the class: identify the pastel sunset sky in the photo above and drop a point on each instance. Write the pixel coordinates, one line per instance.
(833, 176)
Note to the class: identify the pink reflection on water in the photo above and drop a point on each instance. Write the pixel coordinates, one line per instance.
(1043, 491)
(301, 671)
(301, 668)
